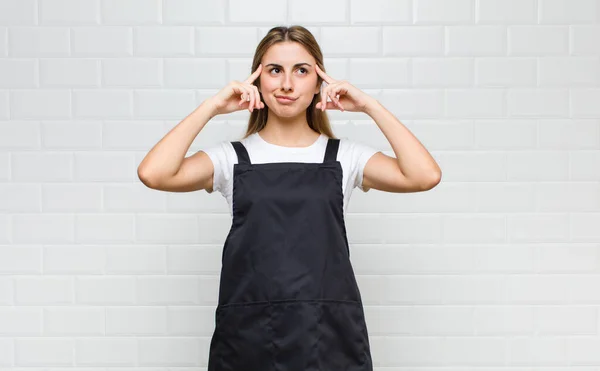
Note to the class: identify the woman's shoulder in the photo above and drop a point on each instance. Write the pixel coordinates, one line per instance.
(226, 150)
(221, 150)
(355, 149)
(223, 156)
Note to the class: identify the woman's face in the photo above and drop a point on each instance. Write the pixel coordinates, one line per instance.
(288, 70)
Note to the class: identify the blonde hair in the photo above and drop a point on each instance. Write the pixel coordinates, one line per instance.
(317, 119)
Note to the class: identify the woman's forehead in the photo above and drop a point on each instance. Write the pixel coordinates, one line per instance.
(287, 54)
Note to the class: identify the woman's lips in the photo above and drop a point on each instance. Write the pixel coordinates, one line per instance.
(285, 100)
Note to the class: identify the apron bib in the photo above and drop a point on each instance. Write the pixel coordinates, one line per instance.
(288, 297)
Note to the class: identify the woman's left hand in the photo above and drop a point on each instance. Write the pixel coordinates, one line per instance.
(344, 96)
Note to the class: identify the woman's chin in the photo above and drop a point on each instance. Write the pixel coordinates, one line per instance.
(288, 111)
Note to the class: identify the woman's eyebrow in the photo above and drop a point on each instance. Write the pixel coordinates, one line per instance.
(296, 65)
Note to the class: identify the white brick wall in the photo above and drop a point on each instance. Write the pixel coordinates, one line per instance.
(498, 267)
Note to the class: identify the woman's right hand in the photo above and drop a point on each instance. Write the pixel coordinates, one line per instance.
(238, 95)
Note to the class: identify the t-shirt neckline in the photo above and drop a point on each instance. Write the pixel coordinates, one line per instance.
(314, 144)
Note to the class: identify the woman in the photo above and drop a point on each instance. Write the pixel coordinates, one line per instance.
(288, 297)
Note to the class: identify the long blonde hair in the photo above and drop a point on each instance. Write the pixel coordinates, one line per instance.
(317, 119)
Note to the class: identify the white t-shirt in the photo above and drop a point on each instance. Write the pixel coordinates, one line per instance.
(353, 157)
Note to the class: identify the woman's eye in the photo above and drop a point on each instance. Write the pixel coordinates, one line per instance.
(304, 69)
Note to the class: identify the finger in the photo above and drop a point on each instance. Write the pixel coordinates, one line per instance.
(332, 97)
(242, 99)
(251, 100)
(336, 98)
(254, 75)
(324, 100)
(255, 98)
(257, 93)
(323, 75)
(328, 105)
(245, 95)
(334, 93)
(340, 104)
(237, 89)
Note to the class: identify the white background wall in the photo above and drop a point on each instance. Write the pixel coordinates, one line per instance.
(498, 267)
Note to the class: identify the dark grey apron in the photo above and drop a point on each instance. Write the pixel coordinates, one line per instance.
(288, 297)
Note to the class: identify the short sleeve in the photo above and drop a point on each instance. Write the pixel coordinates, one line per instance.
(361, 153)
(219, 155)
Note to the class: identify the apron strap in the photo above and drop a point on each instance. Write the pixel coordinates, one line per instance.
(331, 150)
(242, 154)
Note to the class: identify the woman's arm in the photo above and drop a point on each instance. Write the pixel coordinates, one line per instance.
(413, 170)
(165, 167)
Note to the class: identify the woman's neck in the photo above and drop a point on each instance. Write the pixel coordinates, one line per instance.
(289, 137)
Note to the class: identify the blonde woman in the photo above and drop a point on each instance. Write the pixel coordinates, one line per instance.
(288, 297)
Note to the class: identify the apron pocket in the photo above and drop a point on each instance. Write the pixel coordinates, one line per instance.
(296, 335)
(342, 336)
(245, 338)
